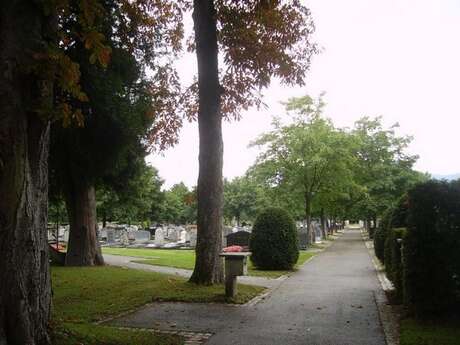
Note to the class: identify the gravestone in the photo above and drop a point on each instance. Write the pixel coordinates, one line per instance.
(192, 238)
(141, 236)
(239, 238)
(159, 237)
(183, 236)
(303, 239)
(110, 236)
(124, 240)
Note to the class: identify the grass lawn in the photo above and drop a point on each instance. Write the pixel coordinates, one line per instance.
(89, 294)
(181, 258)
(415, 332)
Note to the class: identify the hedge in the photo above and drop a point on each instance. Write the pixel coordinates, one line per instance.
(394, 217)
(274, 243)
(393, 263)
(431, 252)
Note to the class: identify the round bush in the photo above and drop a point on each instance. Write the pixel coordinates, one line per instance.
(274, 243)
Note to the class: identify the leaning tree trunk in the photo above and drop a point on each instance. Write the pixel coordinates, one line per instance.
(83, 247)
(25, 289)
(208, 264)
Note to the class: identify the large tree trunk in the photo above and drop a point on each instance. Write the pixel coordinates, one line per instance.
(83, 248)
(208, 264)
(25, 289)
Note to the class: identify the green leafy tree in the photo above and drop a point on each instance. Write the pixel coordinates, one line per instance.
(307, 158)
(138, 200)
(243, 199)
(383, 168)
(179, 205)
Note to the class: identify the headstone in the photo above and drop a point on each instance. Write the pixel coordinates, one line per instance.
(141, 236)
(110, 236)
(239, 238)
(183, 236)
(174, 234)
(192, 238)
(303, 239)
(124, 240)
(159, 237)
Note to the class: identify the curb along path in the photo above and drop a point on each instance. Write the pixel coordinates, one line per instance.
(329, 301)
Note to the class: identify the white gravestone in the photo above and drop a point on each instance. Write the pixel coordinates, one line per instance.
(183, 236)
(159, 237)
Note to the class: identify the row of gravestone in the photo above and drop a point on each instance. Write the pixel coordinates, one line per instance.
(242, 238)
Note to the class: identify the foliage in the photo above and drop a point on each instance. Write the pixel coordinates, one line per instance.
(379, 243)
(135, 197)
(431, 255)
(383, 169)
(277, 33)
(393, 217)
(393, 262)
(306, 165)
(242, 199)
(274, 243)
(179, 205)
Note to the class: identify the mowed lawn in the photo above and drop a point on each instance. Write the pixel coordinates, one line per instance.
(185, 258)
(84, 295)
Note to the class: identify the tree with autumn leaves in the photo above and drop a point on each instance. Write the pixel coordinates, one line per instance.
(40, 84)
(258, 40)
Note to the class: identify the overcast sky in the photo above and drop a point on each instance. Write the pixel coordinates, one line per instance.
(395, 58)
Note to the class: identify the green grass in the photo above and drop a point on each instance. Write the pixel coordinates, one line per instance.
(83, 295)
(88, 334)
(414, 332)
(186, 259)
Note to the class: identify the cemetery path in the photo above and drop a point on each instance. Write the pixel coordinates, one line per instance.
(329, 301)
(127, 261)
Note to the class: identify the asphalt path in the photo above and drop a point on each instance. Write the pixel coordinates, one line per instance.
(329, 301)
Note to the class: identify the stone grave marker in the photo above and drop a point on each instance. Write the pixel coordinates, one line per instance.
(183, 236)
(141, 236)
(110, 236)
(159, 237)
(239, 238)
(193, 238)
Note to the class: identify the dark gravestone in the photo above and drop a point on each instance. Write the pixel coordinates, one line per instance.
(239, 238)
(303, 239)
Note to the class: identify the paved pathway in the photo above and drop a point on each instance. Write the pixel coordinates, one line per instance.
(329, 301)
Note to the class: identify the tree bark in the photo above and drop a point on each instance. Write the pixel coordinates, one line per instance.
(208, 264)
(83, 247)
(308, 217)
(323, 223)
(25, 289)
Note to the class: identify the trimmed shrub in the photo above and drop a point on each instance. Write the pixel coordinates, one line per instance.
(379, 243)
(393, 263)
(274, 243)
(394, 217)
(431, 252)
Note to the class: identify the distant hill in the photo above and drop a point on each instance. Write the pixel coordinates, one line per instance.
(447, 177)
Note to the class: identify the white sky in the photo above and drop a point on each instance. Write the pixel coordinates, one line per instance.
(395, 58)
